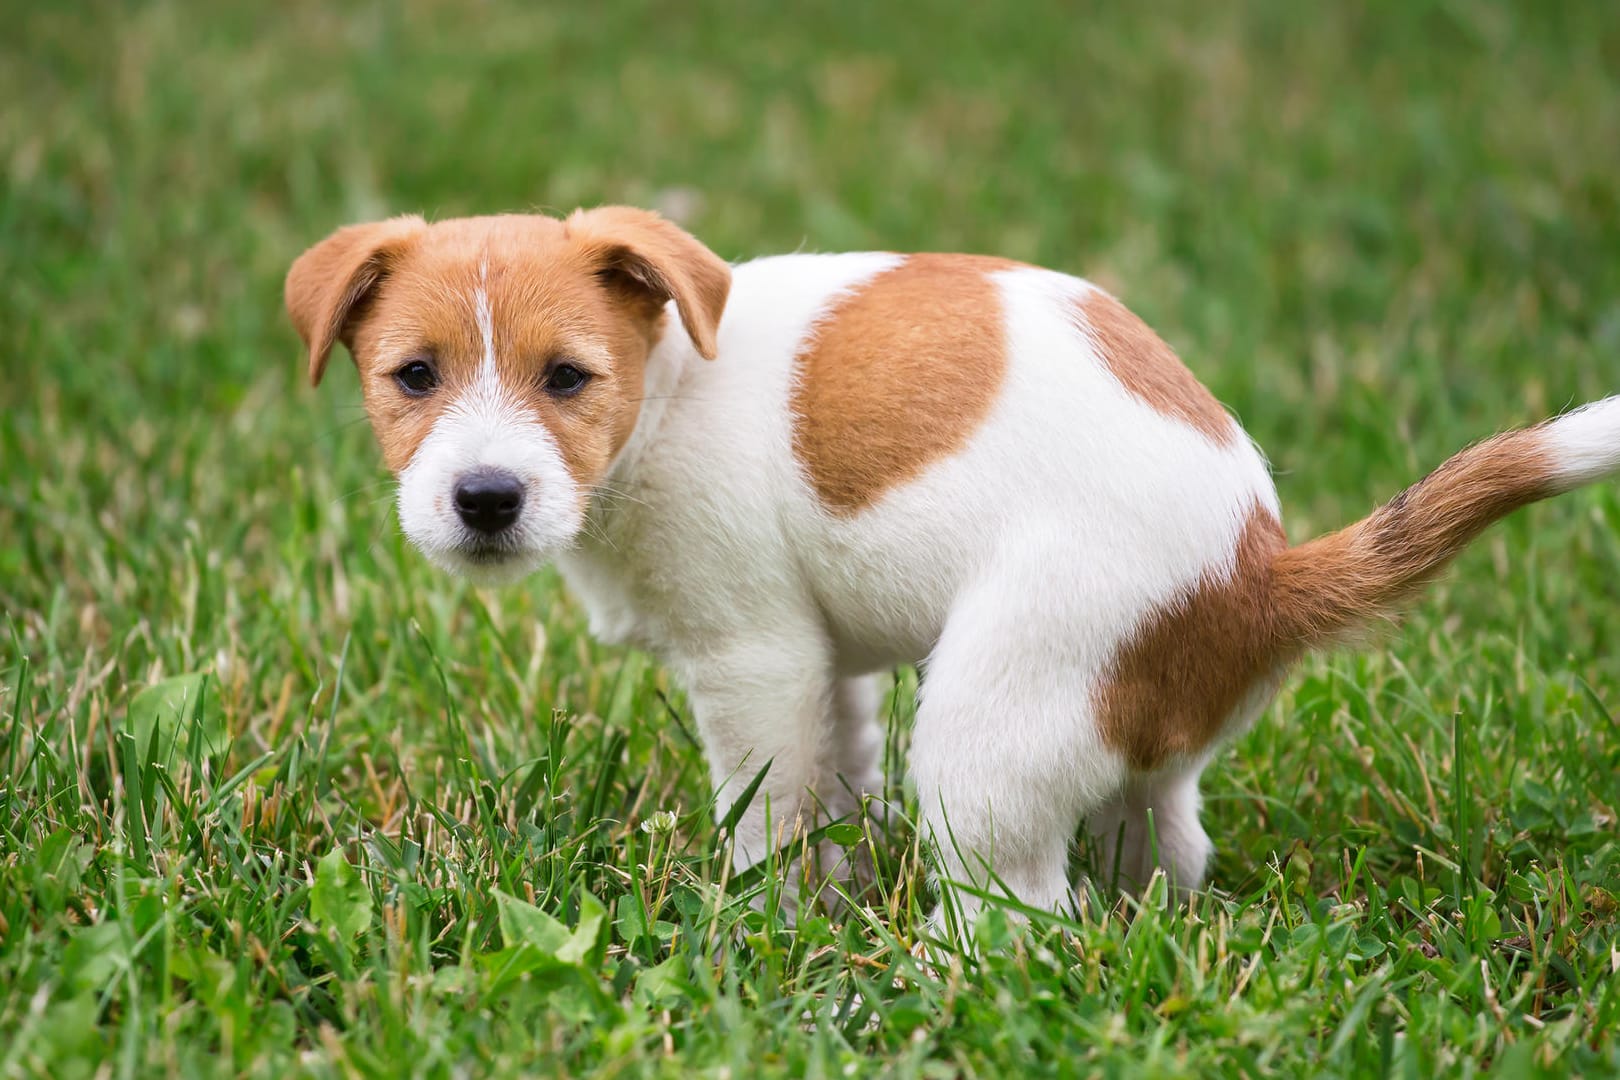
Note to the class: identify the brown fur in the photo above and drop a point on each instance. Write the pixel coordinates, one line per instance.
(1172, 689)
(659, 261)
(1336, 583)
(590, 291)
(897, 375)
(329, 284)
(1149, 368)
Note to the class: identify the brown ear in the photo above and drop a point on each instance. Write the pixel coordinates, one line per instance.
(327, 281)
(661, 260)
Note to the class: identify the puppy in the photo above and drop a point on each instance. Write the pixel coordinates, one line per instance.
(785, 476)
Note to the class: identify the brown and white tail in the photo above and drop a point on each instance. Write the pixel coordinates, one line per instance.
(1333, 585)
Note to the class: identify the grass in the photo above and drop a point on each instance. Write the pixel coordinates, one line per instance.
(277, 798)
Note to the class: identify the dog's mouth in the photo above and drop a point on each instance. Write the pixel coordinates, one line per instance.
(489, 560)
(488, 553)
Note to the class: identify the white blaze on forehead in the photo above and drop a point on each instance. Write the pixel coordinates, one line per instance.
(486, 319)
(487, 427)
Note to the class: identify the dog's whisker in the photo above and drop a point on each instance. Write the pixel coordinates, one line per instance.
(664, 397)
(363, 488)
(597, 533)
(616, 495)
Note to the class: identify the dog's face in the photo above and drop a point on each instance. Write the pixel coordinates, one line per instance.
(502, 360)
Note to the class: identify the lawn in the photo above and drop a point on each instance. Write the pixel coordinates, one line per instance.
(277, 798)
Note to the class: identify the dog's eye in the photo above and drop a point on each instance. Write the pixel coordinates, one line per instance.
(566, 380)
(417, 378)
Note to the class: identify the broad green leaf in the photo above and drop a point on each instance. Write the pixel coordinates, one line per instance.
(525, 924)
(538, 944)
(177, 708)
(632, 920)
(94, 955)
(68, 1028)
(844, 834)
(660, 986)
(588, 934)
(339, 899)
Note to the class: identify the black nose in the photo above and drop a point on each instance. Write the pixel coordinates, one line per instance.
(489, 500)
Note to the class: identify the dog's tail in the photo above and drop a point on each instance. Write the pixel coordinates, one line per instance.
(1329, 587)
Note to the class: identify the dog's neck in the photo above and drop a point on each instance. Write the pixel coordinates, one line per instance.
(598, 568)
(666, 365)
(616, 503)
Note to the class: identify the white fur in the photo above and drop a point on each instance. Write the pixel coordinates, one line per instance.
(1585, 444)
(486, 322)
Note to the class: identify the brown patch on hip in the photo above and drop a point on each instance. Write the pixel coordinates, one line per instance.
(897, 375)
(1175, 684)
(1149, 368)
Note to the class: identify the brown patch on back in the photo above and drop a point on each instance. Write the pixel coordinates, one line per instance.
(897, 375)
(1173, 687)
(1149, 368)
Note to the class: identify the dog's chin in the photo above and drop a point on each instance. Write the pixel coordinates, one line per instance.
(489, 565)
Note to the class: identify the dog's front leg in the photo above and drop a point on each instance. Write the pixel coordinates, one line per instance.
(765, 704)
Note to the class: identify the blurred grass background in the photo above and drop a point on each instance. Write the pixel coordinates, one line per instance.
(1377, 231)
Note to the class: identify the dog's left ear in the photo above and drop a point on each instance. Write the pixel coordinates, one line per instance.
(657, 262)
(330, 280)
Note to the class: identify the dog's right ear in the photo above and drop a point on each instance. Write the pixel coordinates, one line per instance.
(328, 281)
(660, 261)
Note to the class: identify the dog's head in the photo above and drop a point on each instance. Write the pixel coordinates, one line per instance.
(501, 360)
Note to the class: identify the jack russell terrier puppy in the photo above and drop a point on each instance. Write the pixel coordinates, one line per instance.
(785, 476)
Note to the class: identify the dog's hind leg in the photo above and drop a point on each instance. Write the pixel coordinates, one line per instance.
(852, 769)
(1006, 754)
(1152, 824)
(1154, 821)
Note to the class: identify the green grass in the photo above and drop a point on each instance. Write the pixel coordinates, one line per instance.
(277, 798)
